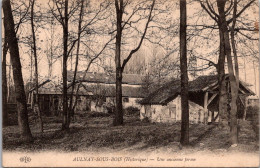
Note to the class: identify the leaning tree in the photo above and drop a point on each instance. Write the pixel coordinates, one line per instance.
(17, 72)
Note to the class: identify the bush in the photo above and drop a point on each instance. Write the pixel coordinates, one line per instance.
(12, 119)
(98, 114)
(110, 107)
(145, 120)
(132, 111)
(110, 110)
(252, 113)
(253, 116)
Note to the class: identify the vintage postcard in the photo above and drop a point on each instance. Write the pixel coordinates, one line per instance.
(130, 83)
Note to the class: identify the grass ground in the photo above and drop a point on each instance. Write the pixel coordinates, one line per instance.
(88, 134)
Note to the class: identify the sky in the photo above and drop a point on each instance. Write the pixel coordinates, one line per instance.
(203, 44)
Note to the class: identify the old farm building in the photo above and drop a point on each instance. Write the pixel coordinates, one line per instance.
(101, 90)
(164, 104)
(50, 96)
(96, 92)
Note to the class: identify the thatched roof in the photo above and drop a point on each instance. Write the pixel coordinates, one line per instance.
(108, 78)
(172, 89)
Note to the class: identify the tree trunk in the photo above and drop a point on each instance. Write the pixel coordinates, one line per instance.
(50, 58)
(254, 75)
(233, 42)
(246, 99)
(36, 68)
(17, 72)
(71, 109)
(222, 106)
(118, 120)
(184, 75)
(245, 108)
(236, 88)
(4, 84)
(232, 78)
(66, 114)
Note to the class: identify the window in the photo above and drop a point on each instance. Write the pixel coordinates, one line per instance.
(125, 99)
(172, 112)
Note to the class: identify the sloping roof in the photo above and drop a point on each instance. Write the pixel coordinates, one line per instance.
(160, 96)
(203, 82)
(110, 91)
(40, 85)
(210, 82)
(108, 78)
(172, 89)
(82, 90)
(49, 87)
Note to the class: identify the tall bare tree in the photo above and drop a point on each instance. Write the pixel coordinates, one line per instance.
(4, 84)
(222, 105)
(17, 72)
(5, 91)
(120, 7)
(77, 60)
(65, 124)
(222, 25)
(36, 78)
(225, 52)
(184, 75)
(63, 19)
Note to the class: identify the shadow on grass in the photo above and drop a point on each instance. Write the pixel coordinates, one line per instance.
(97, 133)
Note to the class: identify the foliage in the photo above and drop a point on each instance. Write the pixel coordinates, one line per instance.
(132, 111)
(94, 114)
(253, 116)
(252, 113)
(110, 109)
(146, 119)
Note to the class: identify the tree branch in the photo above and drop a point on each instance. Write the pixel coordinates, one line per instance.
(22, 18)
(141, 41)
(229, 8)
(205, 8)
(239, 13)
(211, 9)
(61, 16)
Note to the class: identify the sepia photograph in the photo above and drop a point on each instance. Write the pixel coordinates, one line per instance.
(130, 83)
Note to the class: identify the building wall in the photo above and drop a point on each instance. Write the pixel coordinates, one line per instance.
(171, 112)
(83, 103)
(132, 102)
(98, 108)
(253, 102)
(51, 104)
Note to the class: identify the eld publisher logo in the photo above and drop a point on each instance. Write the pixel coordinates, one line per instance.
(25, 159)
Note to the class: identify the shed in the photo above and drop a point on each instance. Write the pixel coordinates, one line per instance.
(203, 100)
(253, 101)
(50, 97)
